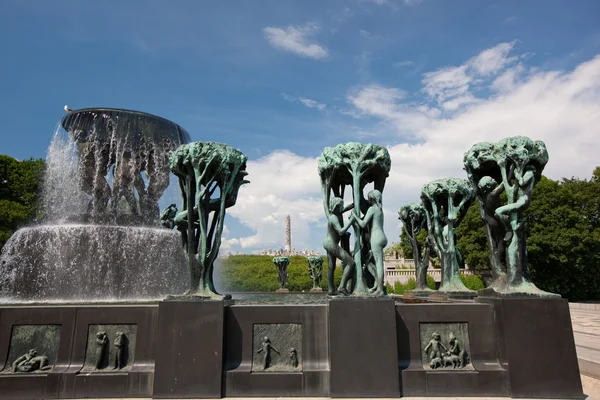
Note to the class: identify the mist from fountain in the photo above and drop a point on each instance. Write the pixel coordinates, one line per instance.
(101, 240)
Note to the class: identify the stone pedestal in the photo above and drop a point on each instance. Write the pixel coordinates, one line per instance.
(483, 377)
(189, 349)
(537, 346)
(363, 347)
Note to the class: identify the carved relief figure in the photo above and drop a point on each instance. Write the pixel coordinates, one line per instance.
(293, 354)
(30, 362)
(436, 347)
(120, 355)
(101, 344)
(266, 348)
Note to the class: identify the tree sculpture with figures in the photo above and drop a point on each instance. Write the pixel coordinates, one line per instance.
(445, 202)
(210, 176)
(513, 166)
(355, 165)
(414, 219)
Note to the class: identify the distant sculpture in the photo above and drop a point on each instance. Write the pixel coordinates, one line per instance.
(512, 166)
(414, 219)
(354, 165)
(377, 240)
(288, 235)
(101, 345)
(282, 274)
(202, 169)
(30, 362)
(266, 348)
(293, 354)
(444, 200)
(315, 271)
(121, 353)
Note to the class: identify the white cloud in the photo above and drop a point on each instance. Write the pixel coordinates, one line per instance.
(560, 108)
(295, 39)
(281, 184)
(457, 82)
(310, 103)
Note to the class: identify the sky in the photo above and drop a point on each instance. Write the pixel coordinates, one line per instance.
(281, 80)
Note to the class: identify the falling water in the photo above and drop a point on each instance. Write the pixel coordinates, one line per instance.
(62, 175)
(107, 171)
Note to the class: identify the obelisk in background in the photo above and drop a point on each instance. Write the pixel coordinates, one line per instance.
(288, 235)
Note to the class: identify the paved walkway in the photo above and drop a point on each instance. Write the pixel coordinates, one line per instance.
(586, 329)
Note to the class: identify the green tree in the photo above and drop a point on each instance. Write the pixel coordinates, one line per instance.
(472, 242)
(563, 237)
(20, 189)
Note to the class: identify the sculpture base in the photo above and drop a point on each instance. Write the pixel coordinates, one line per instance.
(457, 295)
(537, 347)
(516, 294)
(377, 359)
(422, 293)
(325, 348)
(283, 290)
(317, 290)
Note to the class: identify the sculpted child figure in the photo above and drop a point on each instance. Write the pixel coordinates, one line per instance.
(335, 233)
(436, 347)
(523, 189)
(377, 238)
(265, 348)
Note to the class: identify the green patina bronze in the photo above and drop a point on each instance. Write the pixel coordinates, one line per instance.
(414, 219)
(513, 166)
(355, 165)
(282, 263)
(315, 271)
(204, 168)
(445, 202)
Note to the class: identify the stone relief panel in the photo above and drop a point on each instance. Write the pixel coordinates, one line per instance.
(445, 346)
(33, 348)
(277, 348)
(110, 348)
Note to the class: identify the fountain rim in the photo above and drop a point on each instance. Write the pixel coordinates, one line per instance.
(65, 118)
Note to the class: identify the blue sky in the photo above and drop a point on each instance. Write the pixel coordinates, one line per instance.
(280, 80)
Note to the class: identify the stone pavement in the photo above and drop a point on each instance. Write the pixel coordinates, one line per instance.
(586, 329)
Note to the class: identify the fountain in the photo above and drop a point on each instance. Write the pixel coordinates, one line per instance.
(102, 243)
(101, 240)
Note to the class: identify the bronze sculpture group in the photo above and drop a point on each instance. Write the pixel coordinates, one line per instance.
(511, 166)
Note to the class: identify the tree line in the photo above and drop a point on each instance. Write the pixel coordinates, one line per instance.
(563, 237)
(20, 193)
